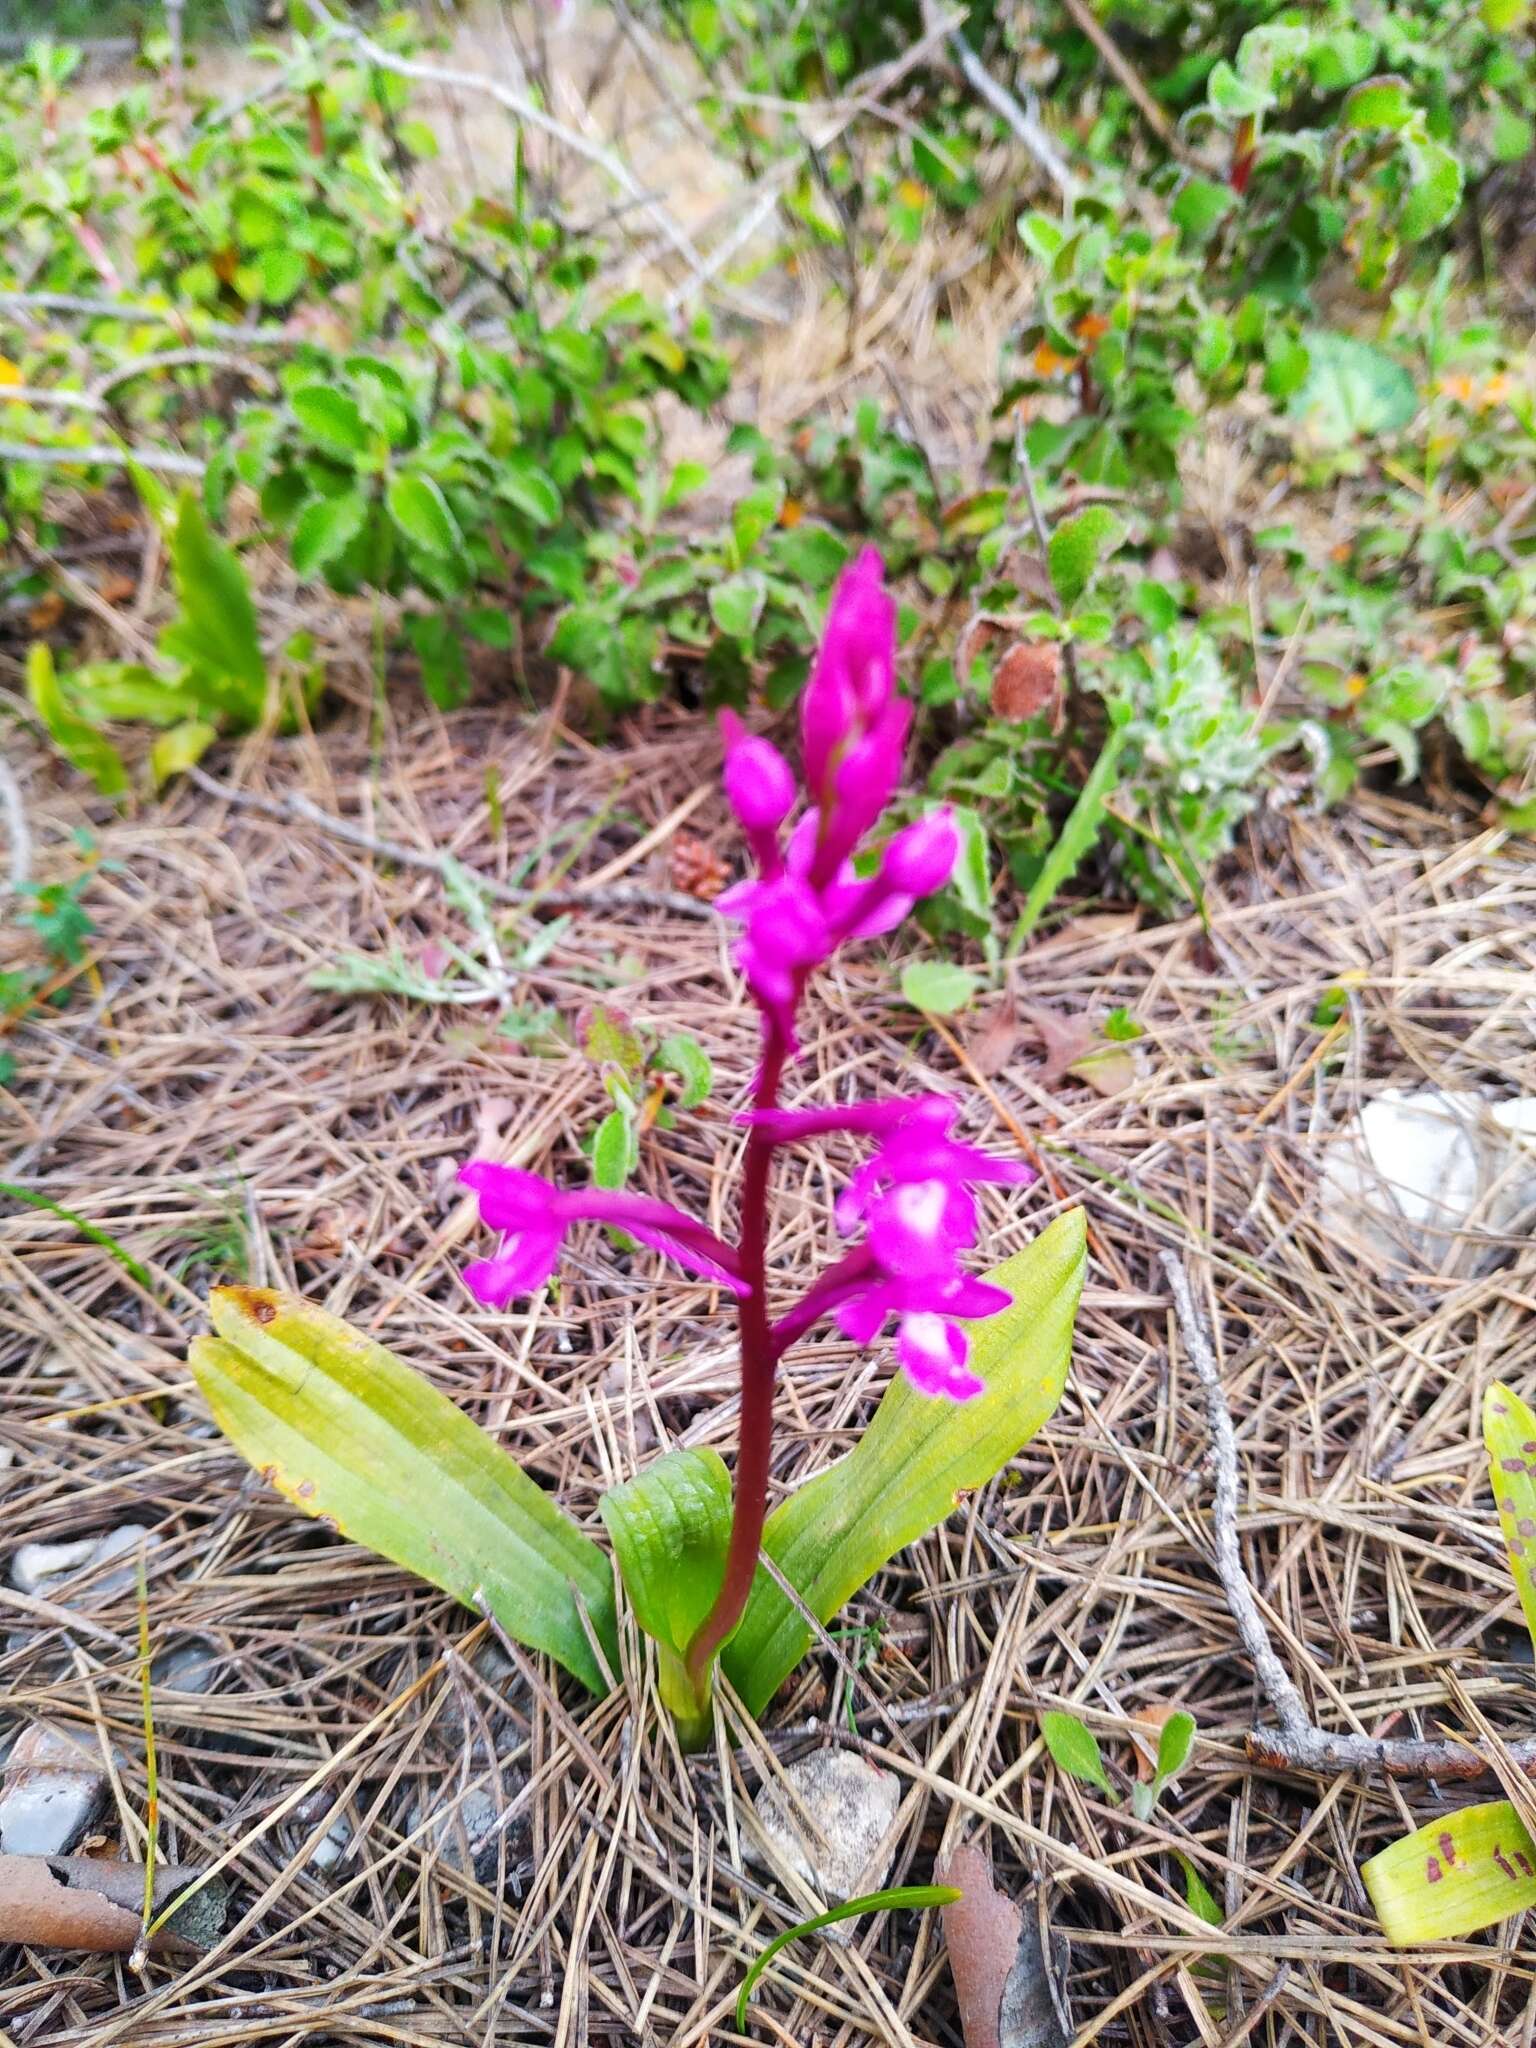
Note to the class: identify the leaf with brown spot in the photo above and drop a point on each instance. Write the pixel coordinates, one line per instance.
(344, 1429)
(1509, 1431)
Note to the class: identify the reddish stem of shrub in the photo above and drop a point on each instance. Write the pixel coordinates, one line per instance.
(758, 1367)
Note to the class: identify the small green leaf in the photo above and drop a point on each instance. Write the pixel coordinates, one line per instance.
(613, 1148)
(418, 507)
(685, 479)
(1174, 1745)
(76, 739)
(1438, 178)
(1079, 547)
(736, 604)
(1196, 1892)
(1457, 1875)
(533, 491)
(871, 1902)
(282, 271)
(1509, 1432)
(327, 526)
(1075, 1750)
(684, 1056)
(332, 419)
(1379, 103)
(907, 1472)
(670, 1527)
(609, 1040)
(1352, 391)
(1200, 206)
(174, 752)
(343, 1428)
(937, 986)
(753, 515)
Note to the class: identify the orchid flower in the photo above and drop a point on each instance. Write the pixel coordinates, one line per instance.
(909, 1208)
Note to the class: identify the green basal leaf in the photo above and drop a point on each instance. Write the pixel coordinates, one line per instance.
(344, 1429)
(216, 634)
(871, 1902)
(670, 1528)
(1075, 1749)
(910, 1467)
(1453, 1877)
(75, 737)
(1509, 1431)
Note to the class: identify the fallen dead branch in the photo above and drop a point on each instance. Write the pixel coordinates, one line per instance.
(95, 1903)
(1298, 1744)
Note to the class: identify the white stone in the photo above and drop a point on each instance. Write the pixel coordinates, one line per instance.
(1426, 1176)
(836, 1830)
(54, 1786)
(43, 1567)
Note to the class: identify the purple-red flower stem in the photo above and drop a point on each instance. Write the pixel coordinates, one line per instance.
(759, 1365)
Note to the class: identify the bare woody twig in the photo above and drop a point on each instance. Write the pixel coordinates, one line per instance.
(1024, 121)
(99, 455)
(1298, 1744)
(289, 809)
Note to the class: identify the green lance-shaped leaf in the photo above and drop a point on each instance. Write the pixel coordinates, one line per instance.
(1509, 1431)
(670, 1529)
(216, 634)
(344, 1429)
(914, 1461)
(1454, 1876)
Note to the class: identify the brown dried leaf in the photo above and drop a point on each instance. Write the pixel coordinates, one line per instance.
(994, 1040)
(94, 1904)
(1008, 1992)
(1065, 1040)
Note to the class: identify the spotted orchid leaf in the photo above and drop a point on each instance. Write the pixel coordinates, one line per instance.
(345, 1430)
(914, 1461)
(1459, 1874)
(1509, 1431)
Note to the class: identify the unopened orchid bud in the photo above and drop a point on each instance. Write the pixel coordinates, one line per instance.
(921, 858)
(758, 780)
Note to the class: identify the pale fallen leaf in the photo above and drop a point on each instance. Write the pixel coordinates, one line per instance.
(993, 1042)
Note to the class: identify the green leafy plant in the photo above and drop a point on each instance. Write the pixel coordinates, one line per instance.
(213, 675)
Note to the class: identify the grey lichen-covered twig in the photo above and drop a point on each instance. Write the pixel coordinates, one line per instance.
(1297, 1744)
